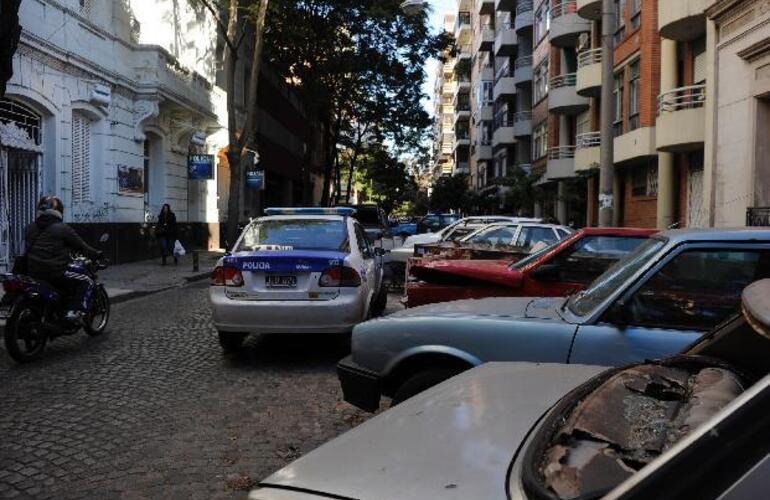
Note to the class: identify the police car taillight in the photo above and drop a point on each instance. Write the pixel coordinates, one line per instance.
(340, 277)
(226, 276)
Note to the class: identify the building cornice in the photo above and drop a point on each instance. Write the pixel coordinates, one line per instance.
(722, 8)
(756, 51)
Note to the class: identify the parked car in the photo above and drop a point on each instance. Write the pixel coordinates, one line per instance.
(555, 271)
(403, 229)
(374, 221)
(500, 239)
(650, 304)
(689, 427)
(456, 231)
(433, 223)
(297, 270)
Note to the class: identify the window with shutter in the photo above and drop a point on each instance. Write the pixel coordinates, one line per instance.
(81, 158)
(699, 65)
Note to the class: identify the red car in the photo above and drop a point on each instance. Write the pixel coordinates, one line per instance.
(567, 266)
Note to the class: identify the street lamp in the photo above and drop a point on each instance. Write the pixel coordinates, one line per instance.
(413, 7)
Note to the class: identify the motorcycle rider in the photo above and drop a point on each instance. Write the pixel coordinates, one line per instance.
(50, 243)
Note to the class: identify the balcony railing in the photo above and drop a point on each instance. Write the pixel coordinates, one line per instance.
(523, 6)
(503, 120)
(588, 140)
(567, 80)
(561, 153)
(523, 62)
(522, 116)
(589, 57)
(682, 98)
(463, 134)
(758, 217)
(563, 9)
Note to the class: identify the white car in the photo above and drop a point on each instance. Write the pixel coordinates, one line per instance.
(298, 270)
(530, 235)
(456, 231)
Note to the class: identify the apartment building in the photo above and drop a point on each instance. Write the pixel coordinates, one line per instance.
(444, 111)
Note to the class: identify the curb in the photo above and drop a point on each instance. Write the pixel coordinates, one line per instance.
(144, 293)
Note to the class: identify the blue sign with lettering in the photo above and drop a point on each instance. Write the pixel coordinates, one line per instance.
(255, 179)
(200, 167)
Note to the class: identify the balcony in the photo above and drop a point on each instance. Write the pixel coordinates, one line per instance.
(503, 135)
(637, 146)
(463, 29)
(463, 167)
(505, 85)
(681, 124)
(588, 151)
(563, 97)
(523, 73)
(448, 89)
(486, 38)
(462, 111)
(486, 7)
(484, 114)
(524, 17)
(522, 124)
(506, 5)
(482, 151)
(682, 20)
(590, 9)
(462, 139)
(464, 51)
(589, 73)
(567, 25)
(463, 85)
(505, 41)
(561, 163)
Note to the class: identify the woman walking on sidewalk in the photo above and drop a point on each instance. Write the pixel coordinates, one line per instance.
(165, 231)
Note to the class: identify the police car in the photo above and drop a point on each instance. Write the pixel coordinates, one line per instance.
(297, 270)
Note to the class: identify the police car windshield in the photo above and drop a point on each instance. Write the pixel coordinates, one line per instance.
(294, 234)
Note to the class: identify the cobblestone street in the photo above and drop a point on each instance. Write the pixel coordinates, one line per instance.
(154, 409)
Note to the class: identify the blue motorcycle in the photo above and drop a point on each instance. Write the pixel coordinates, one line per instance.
(33, 311)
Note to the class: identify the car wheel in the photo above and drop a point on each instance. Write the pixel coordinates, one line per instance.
(404, 236)
(422, 381)
(379, 303)
(231, 341)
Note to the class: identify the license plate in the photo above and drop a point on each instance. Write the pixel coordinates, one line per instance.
(276, 281)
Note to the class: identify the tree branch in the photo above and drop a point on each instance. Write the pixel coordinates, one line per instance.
(220, 24)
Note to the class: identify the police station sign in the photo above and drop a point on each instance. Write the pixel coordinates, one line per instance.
(200, 167)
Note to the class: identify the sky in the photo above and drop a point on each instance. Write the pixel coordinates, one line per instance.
(439, 9)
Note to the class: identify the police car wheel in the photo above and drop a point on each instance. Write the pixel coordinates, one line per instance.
(231, 341)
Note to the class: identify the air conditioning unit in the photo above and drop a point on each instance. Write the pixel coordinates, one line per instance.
(101, 95)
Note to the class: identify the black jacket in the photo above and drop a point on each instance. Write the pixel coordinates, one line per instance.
(166, 225)
(49, 245)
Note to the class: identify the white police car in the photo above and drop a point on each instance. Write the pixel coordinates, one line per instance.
(297, 270)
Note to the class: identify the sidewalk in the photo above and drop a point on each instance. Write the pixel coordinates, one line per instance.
(127, 281)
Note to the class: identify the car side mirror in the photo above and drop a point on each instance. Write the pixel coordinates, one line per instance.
(545, 272)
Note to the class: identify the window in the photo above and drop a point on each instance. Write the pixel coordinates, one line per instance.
(363, 242)
(620, 27)
(541, 82)
(540, 141)
(697, 289)
(618, 93)
(542, 21)
(633, 97)
(81, 158)
(590, 257)
(305, 234)
(636, 13)
(530, 236)
(644, 181)
(496, 236)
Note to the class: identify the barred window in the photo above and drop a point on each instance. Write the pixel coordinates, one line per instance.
(81, 158)
(645, 181)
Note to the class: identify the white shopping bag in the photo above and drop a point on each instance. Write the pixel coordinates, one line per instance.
(179, 250)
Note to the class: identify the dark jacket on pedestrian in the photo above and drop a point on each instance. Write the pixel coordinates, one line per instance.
(50, 244)
(166, 227)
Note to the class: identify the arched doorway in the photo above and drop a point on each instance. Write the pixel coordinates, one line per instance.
(20, 175)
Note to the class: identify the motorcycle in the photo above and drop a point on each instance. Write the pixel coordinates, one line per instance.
(32, 311)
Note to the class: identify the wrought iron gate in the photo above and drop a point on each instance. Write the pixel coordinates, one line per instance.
(20, 182)
(695, 213)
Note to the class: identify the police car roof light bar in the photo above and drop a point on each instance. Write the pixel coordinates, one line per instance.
(343, 211)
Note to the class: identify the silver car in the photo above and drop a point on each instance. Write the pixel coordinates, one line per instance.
(692, 426)
(652, 303)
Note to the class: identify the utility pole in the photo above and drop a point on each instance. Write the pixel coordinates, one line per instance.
(607, 169)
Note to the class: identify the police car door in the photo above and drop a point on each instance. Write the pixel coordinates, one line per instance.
(369, 266)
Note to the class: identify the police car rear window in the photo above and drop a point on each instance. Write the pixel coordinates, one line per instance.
(295, 234)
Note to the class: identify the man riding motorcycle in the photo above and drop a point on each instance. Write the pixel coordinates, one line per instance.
(50, 243)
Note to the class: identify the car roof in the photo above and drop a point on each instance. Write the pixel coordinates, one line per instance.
(301, 216)
(720, 234)
(618, 231)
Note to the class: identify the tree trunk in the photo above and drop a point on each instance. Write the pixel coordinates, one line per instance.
(9, 39)
(234, 152)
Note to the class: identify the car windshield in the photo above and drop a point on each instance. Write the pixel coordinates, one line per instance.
(612, 279)
(295, 234)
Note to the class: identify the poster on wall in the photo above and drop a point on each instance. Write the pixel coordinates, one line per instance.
(200, 167)
(130, 180)
(255, 179)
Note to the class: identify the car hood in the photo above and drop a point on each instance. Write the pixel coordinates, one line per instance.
(421, 239)
(500, 307)
(454, 441)
(494, 272)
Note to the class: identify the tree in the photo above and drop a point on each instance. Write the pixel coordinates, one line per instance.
(385, 180)
(521, 193)
(10, 31)
(451, 193)
(359, 64)
(233, 29)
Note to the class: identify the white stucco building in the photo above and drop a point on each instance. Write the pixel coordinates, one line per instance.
(107, 101)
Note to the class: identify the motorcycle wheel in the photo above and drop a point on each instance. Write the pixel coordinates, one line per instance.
(24, 336)
(95, 322)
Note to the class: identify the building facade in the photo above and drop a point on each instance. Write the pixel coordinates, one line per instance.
(444, 95)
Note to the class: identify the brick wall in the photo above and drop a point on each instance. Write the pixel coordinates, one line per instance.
(638, 211)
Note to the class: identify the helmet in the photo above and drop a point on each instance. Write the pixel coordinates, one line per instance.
(50, 203)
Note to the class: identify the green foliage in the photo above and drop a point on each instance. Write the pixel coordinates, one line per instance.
(385, 180)
(451, 193)
(521, 192)
(463, 69)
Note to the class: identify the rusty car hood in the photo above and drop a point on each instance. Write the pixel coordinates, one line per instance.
(494, 272)
(454, 441)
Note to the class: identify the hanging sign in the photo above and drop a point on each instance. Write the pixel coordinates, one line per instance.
(200, 167)
(255, 179)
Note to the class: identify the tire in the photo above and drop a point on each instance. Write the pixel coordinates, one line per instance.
(403, 236)
(379, 303)
(422, 381)
(24, 337)
(95, 322)
(231, 342)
